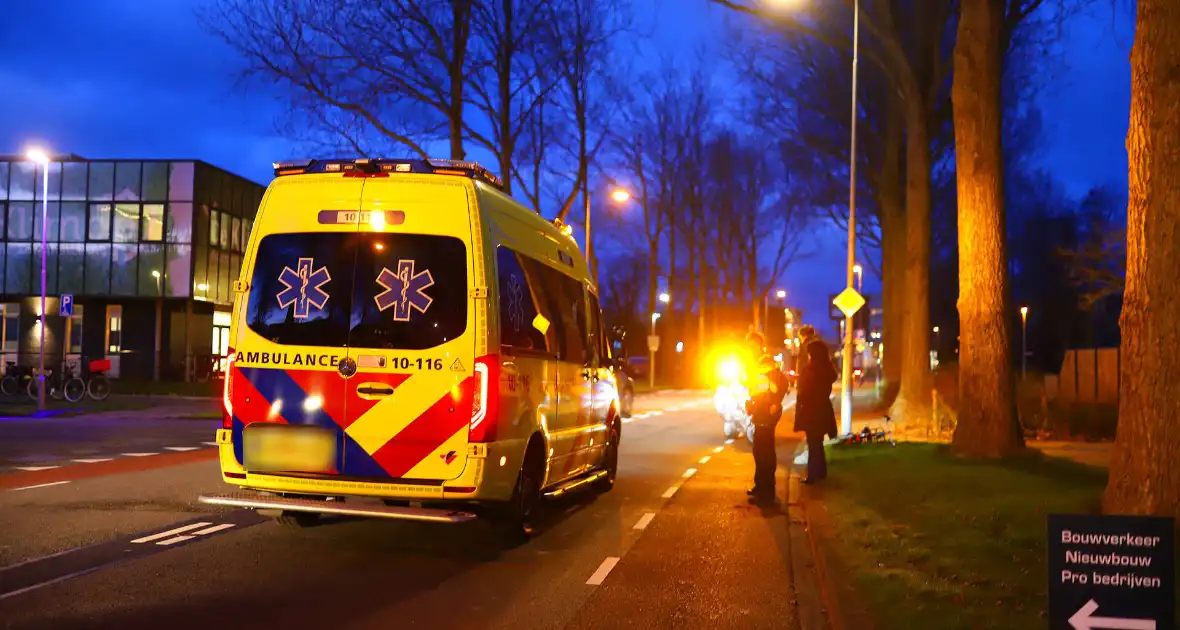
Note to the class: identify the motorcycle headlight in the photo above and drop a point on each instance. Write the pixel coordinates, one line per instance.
(730, 370)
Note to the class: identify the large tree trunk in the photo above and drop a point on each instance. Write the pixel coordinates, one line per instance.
(1145, 471)
(893, 239)
(987, 424)
(911, 410)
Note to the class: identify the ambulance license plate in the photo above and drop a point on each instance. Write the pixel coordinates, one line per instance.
(284, 448)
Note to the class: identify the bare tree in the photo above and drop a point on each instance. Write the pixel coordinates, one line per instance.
(373, 74)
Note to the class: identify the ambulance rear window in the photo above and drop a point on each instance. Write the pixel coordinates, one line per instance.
(389, 291)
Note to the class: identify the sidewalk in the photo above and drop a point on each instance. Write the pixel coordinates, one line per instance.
(713, 560)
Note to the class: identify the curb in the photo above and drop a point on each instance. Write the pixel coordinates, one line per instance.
(844, 611)
(814, 606)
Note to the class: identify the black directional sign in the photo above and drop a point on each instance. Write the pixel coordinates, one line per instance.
(1111, 573)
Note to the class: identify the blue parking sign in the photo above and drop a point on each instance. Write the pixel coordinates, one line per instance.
(66, 309)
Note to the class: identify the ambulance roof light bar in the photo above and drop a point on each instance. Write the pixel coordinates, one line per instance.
(379, 165)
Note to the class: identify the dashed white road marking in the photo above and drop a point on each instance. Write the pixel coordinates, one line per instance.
(669, 492)
(645, 520)
(171, 532)
(657, 413)
(35, 468)
(92, 461)
(690, 472)
(719, 449)
(215, 528)
(604, 570)
(40, 485)
(182, 448)
(138, 454)
(628, 420)
(209, 443)
(173, 541)
(704, 460)
(729, 441)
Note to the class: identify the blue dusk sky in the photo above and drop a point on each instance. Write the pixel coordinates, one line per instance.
(137, 79)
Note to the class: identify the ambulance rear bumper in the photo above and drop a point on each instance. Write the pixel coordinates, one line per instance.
(264, 502)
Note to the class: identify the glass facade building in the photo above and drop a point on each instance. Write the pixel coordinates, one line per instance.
(147, 249)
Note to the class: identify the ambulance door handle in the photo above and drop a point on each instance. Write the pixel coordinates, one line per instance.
(369, 390)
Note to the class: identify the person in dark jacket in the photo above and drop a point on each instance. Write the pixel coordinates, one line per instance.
(813, 407)
(766, 407)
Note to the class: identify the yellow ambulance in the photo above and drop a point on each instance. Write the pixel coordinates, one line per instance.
(409, 342)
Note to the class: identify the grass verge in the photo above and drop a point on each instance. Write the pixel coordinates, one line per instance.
(933, 541)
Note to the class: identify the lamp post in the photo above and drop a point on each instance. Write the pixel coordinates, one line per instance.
(651, 362)
(1023, 341)
(846, 375)
(40, 157)
(159, 324)
(651, 353)
(781, 294)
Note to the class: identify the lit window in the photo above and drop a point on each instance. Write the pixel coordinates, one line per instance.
(74, 330)
(114, 329)
(214, 228)
(11, 327)
(153, 222)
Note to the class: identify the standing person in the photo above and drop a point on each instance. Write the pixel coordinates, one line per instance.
(814, 414)
(806, 336)
(766, 407)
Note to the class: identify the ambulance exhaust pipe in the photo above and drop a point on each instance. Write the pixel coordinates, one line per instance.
(258, 502)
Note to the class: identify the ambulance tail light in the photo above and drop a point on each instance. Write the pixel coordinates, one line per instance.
(227, 392)
(485, 394)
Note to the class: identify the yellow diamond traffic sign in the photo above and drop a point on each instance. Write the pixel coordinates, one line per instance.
(849, 302)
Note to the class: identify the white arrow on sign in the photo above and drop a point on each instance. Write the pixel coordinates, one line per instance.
(1083, 619)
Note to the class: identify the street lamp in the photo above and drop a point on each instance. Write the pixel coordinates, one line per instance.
(860, 280)
(1023, 341)
(846, 376)
(665, 298)
(40, 157)
(619, 195)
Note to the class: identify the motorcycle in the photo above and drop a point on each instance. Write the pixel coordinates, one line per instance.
(730, 401)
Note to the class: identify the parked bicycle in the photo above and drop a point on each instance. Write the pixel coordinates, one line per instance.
(98, 386)
(60, 383)
(16, 378)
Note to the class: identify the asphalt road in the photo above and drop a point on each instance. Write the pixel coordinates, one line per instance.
(674, 545)
(31, 444)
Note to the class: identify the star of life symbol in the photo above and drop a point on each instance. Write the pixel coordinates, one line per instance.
(404, 290)
(515, 302)
(303, 287)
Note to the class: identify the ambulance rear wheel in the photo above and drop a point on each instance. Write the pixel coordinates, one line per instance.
(297, 520)
(513, 520)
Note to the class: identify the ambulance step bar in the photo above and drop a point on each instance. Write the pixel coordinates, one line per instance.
(266, 502)
(574, 484)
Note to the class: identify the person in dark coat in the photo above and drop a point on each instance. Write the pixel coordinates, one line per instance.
(766, 407)
(813, 407)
